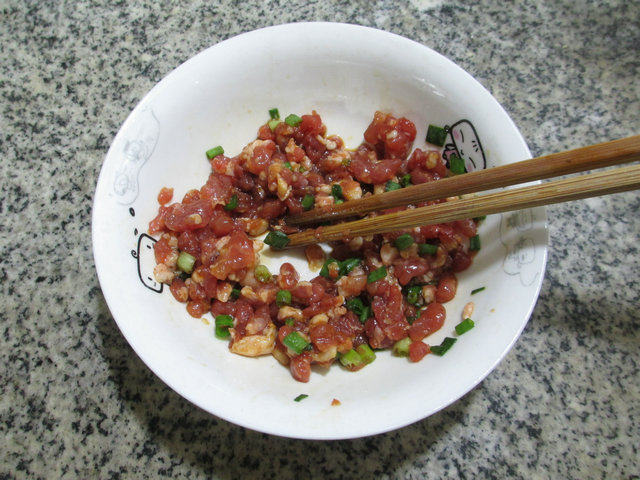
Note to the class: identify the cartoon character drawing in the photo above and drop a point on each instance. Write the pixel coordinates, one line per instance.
(137, 150)
(146, 262)
(521, 250)
(466, 145)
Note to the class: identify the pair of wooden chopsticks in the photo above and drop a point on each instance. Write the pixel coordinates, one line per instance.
(606, 154)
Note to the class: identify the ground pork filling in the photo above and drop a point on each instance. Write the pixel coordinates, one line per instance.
(370, 293)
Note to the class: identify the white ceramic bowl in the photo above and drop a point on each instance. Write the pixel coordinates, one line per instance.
(221, 96)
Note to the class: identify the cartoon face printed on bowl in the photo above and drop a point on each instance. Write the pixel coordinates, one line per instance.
(464, 143)
(137, 149)
(520, 248)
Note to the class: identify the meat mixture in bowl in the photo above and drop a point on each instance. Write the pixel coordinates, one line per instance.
(371, 293)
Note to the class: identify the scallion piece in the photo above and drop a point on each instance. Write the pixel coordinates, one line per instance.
(366, 313)
(405, 180)
(464, 326)
(324, 271)
(351, 359)
(223, 322)
(401, 347)
(186, 262)
(427, 249)
(308, 201)
(235, 293)
(290, 322)
(480, 218)
(358, 307)
(391, 185)
(355, 305)
(349, 264)
(474, 243)
(336, 191)
(366, 353)
(477, 290)
(295, 342)
(273, 124)
(446, 344)
(283, 297)
(262, 274)
(274, 114)
(233, 203)
(293, 120)
(288, 165)
(414, 294)
(377, 274)
(276, 239)
(222, 333)
(404, 241)
(302, 396)
(436, 135)
(456, 165)
(214, 152)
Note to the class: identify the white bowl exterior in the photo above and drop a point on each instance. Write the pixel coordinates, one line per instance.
(221, 96)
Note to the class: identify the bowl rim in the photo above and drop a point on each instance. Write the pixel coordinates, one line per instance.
(237, 420)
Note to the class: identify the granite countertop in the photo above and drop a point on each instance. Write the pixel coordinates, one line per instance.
(76, 402)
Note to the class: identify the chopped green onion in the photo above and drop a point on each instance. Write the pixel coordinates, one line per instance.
(273, 124)
(233, 203)
(414, 294)
(405, 180)
(262, 274)
(401, 347)
(336, 191)
(358, 307)
(293, 120)
(427, 248)
(351, 359)
(480, 218)
(391, 185)
(283, 297)
(404, 241)
(295, 342)
(222, 333)
(324, 271)
(186, 262)
(287, 165)
(290, 322)
(338, 202)
(277, 239)
(366, 353)
(474, 243)
(214, 152)
(366, 313)
(302, 169)
(302, 396)
(346, 162)
(477, 290)
(274, 114)
(308, 201)
(436, 135)
(349, 264)
(223, 322)
(456, 165)
(355, 305)
(377, 274)
(464, 326)
(446, 344)
(235, 293)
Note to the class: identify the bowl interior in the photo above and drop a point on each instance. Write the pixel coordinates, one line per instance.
(220, 97)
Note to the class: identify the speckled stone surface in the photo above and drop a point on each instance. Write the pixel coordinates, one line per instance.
(76, 402)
